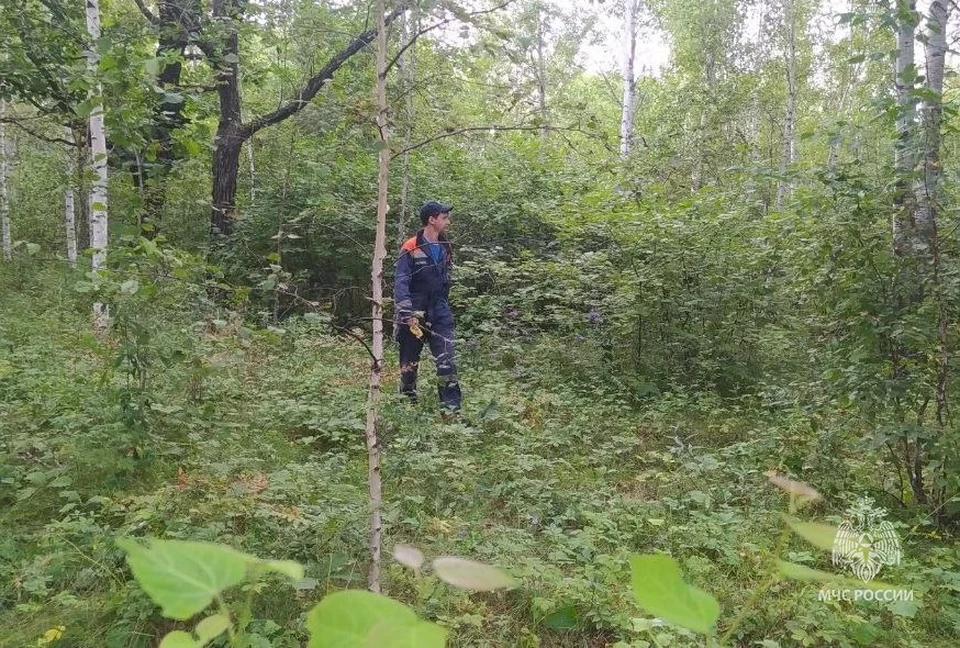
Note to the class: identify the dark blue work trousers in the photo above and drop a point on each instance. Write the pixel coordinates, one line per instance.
(438, 333)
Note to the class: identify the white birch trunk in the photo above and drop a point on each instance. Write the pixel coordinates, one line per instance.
(789, 119)
(98, 155)
(928, 184)
(253, 191)
(928, 202)
(541, 79)
(905, 201)
(376, 276)
(629, 86)
(69, 206)
(408, 69)
(4, 190)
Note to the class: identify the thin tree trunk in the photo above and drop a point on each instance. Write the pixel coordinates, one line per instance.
(629, 85)
(908, 248)
(696, 181)
(789, 139)
(253, 189)
(69, 209)
(408, 67)
(541, 79)
(80, 178)
(929, 196)
(904, 199)
(98, 154)
(376, 276)
(230, 131)
(4, 195)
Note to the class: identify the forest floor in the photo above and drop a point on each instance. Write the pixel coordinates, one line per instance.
(212, 430)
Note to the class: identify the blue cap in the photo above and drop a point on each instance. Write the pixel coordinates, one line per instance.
(432, 208)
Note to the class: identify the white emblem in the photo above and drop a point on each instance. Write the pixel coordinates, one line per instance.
(865, 542)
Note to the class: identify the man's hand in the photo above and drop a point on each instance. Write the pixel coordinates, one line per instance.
(414, 324)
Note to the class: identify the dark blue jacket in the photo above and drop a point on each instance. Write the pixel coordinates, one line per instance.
(422, 284)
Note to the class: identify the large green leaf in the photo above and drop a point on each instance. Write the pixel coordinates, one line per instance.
(359, 619)
(180, 639)
(184, 577)
(471, 575)
(804, 573)
(817, 534)
(661, 592)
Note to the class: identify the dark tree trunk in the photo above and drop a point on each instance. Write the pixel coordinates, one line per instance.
(231, 132)
(173, 16)
(226, 167)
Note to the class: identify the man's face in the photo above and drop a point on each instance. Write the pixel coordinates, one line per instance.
(441, 221)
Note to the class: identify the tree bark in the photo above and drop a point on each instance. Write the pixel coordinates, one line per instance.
(541, 67)
(69, 208)
(408, 69)
(379, 252)
(98, 149)
(903, 221)
(173, 39)
(4, 195)
(629, 85)
(789, 126)
(928, 189)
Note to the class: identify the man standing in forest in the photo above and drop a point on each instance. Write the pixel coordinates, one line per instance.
(421, 297)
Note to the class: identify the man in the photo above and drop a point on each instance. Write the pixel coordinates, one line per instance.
(421, 296)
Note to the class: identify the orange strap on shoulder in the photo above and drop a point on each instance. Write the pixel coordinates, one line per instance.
(409, 245)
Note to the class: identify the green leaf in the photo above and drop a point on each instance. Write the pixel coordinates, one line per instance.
(357, 619)
(471, 575)
(129, 287)
(565, 618)
(184, 577)
(292, 569)
(408, 556)
(179, 639)
(212, 627)
(904, 608)
(661, 592)
(421, 635)
(32, 248)
(817, 534)
(801, 572)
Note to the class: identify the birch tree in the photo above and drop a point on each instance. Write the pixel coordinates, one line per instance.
(628, 106)
(4, 172)
(906, 74)
(98, 156)
(69, 205)
(929, 194)
(540, 67)
(376, 276)
(789, 119)
(408, 75)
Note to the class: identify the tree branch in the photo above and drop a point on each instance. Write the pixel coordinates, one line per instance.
(147, 13)
(413, 39)
(470, 129)
(314, 85)
(44, 138)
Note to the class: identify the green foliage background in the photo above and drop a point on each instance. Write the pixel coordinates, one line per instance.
(636, 351)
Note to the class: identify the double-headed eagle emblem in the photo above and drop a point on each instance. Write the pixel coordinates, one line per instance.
(865, 542)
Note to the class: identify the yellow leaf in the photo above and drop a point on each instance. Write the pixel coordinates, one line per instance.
(51, 635)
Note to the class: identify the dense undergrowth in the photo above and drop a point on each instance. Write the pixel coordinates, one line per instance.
(191, 423)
